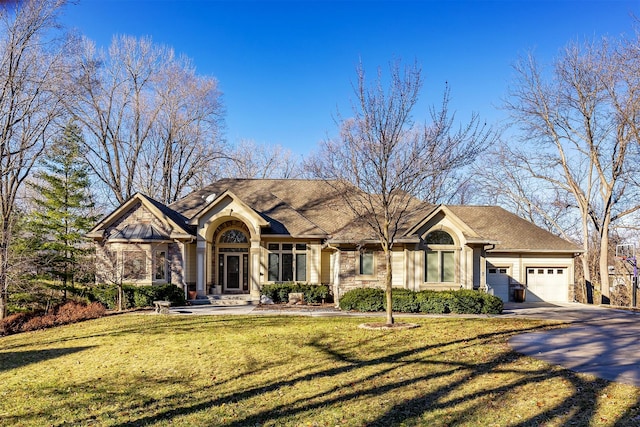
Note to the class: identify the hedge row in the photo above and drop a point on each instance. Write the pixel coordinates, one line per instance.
(462, 301)
(135, 296)
(313, 294)
(69, 312)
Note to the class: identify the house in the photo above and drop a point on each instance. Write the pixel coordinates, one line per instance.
(235, 235)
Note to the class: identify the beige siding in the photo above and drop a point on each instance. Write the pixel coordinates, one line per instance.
(398, 268)
(325, 267)
(190, 253)
(315, 269)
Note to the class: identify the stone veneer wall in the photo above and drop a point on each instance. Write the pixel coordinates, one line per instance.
(350, 280)
(176, 263)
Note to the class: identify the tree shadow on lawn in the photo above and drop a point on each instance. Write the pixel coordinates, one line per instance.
(16, 359)
(453, 397)
(577, 408)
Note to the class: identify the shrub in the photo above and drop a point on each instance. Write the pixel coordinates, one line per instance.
(403, 301)
(491, 304)
(279, 292)
(463, 301)
(136, 296)
(466, 301)
(434, 302)
(69, 312)
(363, 299)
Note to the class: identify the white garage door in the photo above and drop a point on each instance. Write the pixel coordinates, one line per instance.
(547, 284)
(498, 280)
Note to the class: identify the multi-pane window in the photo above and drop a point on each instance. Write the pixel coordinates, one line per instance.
(134, 265)
(160, 262)
(366, 265)
(439, 259)
(287, 261)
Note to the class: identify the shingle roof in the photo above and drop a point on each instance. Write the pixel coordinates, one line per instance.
(300, 207)
(292, 206)
(176, 217)
(511, 231)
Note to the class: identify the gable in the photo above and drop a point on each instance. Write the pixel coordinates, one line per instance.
(154, 219)
(512, 233)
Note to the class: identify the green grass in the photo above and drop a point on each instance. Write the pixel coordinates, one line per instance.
(134, 370)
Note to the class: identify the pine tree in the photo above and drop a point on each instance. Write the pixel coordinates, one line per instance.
(63, 207)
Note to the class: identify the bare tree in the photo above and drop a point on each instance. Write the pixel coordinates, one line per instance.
(31, 65)
(152, 123)
(252, 160)
(383, 159)
(579, 132)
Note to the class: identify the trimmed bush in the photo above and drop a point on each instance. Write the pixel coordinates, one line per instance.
(313, 294)
(466, 301)
(491, 304)
(363, 299)
(433, 302)
(403, 301)
(135, 296)
(463, 301)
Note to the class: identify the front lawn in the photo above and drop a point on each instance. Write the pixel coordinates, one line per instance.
(131, 370)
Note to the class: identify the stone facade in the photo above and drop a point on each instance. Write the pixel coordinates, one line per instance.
(349, 279)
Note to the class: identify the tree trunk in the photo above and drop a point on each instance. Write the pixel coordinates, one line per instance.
(388, 288)
(586, 271)
(604, 262)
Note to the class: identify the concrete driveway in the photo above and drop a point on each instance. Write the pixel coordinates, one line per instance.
(600, 341)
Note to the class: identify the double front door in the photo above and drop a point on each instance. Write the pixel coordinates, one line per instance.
(234, 272)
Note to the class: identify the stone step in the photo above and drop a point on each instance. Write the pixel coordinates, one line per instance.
(225, 300)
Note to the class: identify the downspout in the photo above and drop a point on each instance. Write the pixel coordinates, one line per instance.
(483, 266)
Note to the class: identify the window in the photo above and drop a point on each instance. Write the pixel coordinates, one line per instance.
(160, 265)
(439, 237)
(440, 266)
(440, 263)
(367, 264)
(287, 262)
(134, 265)
(233, 236)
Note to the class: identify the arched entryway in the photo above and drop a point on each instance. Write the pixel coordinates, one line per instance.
(231, 252)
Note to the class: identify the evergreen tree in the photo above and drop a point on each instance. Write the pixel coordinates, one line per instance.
(63, 207)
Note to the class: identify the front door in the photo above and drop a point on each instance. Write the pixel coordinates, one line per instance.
(235, 272)
(232, 279)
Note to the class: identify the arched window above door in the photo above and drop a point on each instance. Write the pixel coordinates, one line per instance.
(439, 237)
(233, 236)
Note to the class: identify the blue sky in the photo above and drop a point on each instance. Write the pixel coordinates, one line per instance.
(286, 68)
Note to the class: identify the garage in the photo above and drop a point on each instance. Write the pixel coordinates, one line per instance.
(547, 284)
(498, 281)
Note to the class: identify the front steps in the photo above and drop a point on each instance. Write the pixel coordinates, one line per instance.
(225, 300)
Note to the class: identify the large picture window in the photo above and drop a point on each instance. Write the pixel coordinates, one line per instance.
(287, 262)
(440, 266)
(440, 258)
(134, 265)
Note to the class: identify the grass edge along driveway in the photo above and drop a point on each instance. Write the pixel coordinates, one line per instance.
(135, 370)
